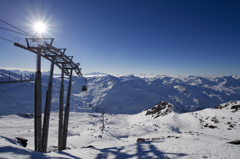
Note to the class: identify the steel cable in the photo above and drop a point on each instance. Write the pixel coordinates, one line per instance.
(16, 28)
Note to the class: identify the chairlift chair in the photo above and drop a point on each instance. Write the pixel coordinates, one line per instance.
(90, 106)
(84, 87)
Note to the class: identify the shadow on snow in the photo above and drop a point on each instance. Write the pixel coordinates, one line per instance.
(143, 150)
(18, 150)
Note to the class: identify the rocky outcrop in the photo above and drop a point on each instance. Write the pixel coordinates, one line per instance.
(161, 109)
(140, 140)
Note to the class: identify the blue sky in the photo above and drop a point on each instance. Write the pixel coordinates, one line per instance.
(172, 37)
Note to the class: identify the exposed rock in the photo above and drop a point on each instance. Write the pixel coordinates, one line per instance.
(235, 107)
(161, 109)
(156, 138)
(215, 120)
(229, 105)
(212, 127)
(176, 137)
(90, 146)
(220, 106)
(140, 140)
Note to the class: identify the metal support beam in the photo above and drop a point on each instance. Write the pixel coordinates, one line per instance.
(38, 105)
(66, 113)
(60, 120)
(33, 44)
(41, 47)
(47, 109)
(103, 121)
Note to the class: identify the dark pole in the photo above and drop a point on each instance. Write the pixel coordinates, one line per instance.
(103, 121)
(66, 114)
(38, 105)
(60, 120)
(47, 109)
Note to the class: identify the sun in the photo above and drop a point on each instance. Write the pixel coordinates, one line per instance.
(40, 27)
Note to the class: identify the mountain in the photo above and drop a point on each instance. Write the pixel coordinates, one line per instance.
(146, 117)
(129, 94)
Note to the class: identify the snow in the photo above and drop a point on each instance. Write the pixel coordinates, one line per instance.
(118, 140)
(178, 134)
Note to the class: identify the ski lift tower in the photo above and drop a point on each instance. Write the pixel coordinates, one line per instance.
(42, 47)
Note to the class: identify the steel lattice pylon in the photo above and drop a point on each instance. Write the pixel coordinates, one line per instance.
(42, 47)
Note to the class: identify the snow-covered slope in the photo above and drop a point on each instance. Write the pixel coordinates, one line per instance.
(124, 94)
(168, 136)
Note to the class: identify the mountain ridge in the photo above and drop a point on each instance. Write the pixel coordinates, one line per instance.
(125, 94)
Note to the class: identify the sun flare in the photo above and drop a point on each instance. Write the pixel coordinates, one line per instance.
(40, 27)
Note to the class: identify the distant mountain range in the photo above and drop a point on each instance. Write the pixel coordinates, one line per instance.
(129, 94)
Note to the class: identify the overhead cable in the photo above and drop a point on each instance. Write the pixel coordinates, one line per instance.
(16, 28)
(12, 31)
(7, 40)
(15, 101)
